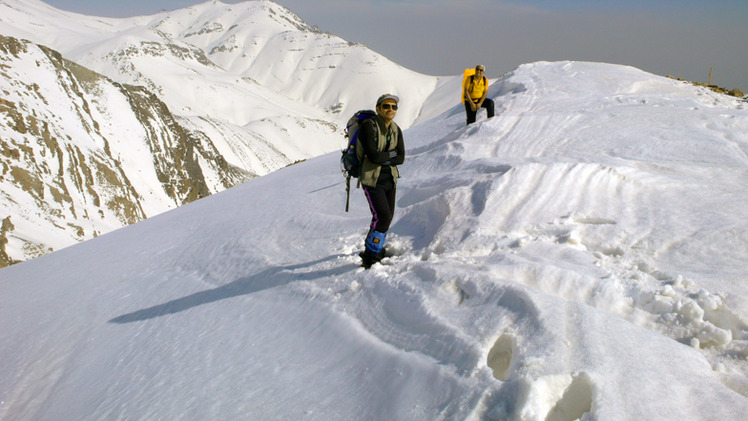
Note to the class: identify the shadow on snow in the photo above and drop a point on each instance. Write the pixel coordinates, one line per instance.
(270, 278)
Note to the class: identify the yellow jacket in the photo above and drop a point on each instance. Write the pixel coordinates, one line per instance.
(476, 89)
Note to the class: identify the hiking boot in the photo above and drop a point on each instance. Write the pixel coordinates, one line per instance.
(382, 254)
(368, 258)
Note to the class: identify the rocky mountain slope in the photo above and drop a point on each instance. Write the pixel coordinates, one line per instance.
(81, 154)
(106, 122)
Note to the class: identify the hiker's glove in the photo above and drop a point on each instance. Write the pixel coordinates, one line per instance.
(393, 154)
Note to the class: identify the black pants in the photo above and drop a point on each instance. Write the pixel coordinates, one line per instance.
(487, 104)
(382, 205)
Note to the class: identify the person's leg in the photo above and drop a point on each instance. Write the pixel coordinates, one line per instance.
(391, 194)
(381, 208)
(381, 216)
(470, 113)
(488, 105)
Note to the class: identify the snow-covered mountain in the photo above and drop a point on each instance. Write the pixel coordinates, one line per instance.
(228, 55)
(227, 92)
(82, 155)
(583, 255)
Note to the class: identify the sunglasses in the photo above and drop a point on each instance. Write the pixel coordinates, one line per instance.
(388, 106)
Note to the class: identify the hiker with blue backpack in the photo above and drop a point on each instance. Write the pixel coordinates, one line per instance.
(474, 90)
(375, 150)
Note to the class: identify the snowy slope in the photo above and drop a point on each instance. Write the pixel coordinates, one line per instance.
(245, 89)
(581, 255)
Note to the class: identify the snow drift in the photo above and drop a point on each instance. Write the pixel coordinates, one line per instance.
(582, 255)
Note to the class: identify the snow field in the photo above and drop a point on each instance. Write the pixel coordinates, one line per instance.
(552, 263)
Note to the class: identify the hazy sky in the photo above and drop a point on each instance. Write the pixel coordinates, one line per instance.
(442, 37)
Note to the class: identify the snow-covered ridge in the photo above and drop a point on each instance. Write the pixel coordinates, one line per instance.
(580, 256)
(228, 53)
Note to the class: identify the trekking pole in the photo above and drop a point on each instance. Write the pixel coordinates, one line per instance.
(347, 191)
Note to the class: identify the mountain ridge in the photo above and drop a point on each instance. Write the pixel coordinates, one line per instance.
(284, 97)
(68, 171)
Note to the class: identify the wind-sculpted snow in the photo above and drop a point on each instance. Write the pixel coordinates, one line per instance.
(580, 256)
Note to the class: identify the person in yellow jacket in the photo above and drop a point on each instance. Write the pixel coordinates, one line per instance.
(474, 95)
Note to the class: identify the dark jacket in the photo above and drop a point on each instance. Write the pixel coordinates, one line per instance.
(379, 163)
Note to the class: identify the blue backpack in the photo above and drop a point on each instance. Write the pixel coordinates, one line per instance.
(349, 162)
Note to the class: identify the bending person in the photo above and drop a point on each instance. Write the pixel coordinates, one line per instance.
(474, 95)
